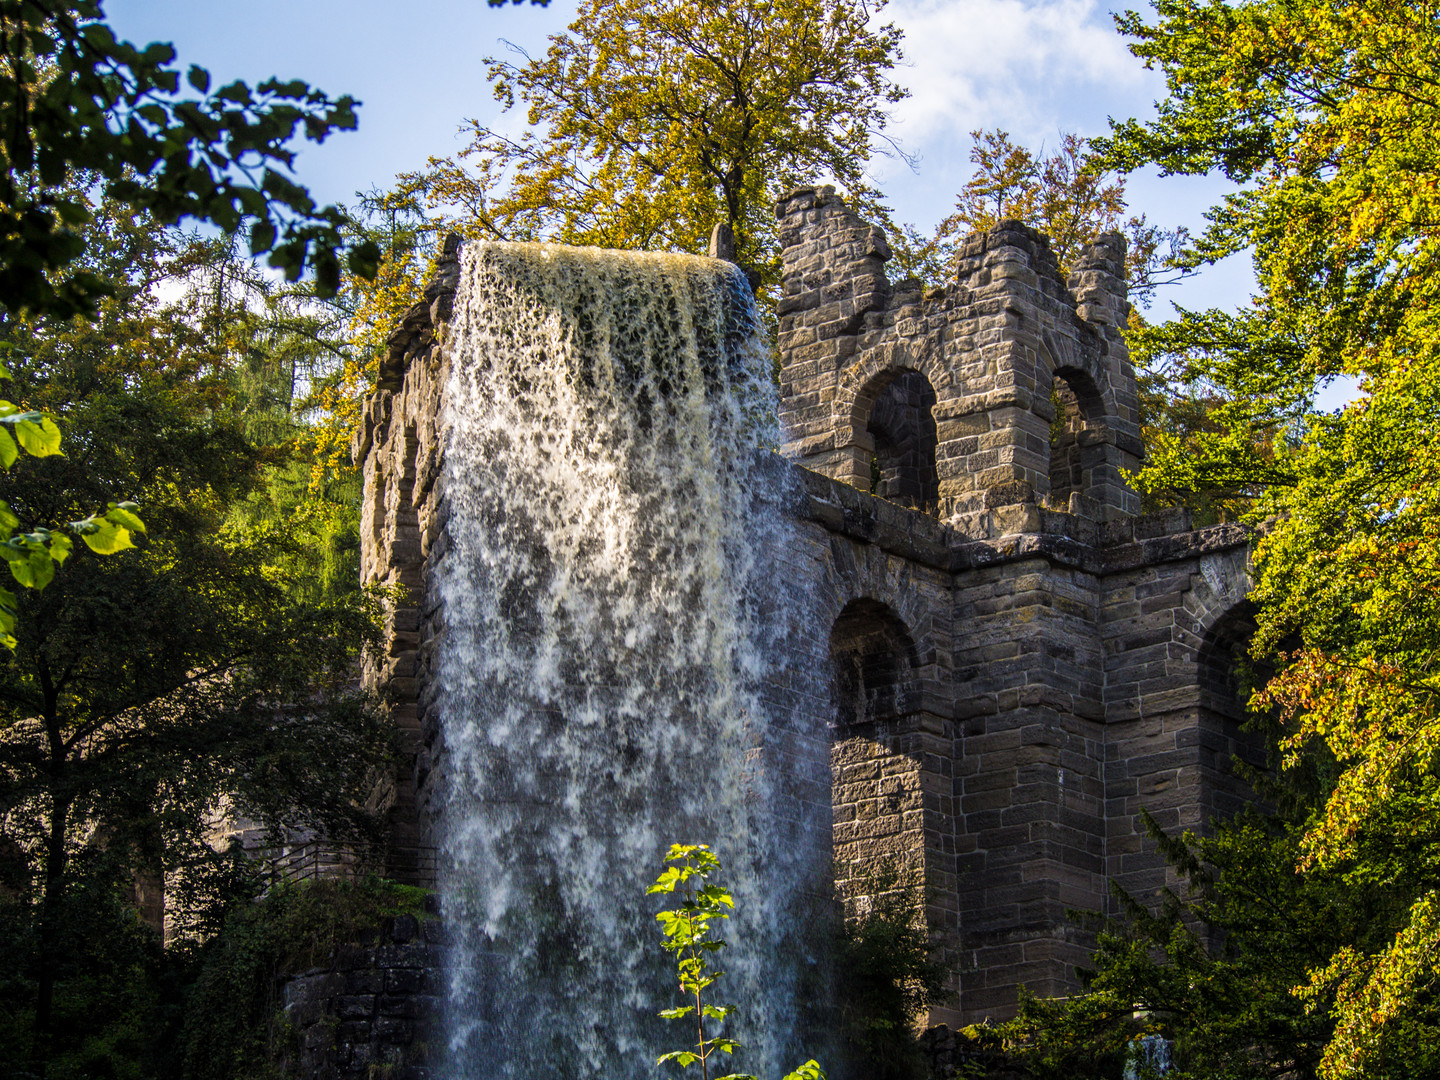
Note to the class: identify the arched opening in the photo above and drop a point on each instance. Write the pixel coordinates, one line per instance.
(895, 412)
(1227, 675)
(1076, 434)
(875, 786)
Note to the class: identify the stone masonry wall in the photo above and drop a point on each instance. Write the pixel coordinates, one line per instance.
(1018, 665)
(370, 1012)
(399, 449)
(991, 343)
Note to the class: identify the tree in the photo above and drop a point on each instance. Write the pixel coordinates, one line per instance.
(1325, 115)
(79, 108)
(166, 684)
(1070, 195)
(84, 114)
(650, 122)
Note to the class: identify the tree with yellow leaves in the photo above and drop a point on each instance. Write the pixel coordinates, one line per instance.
(649, 121)
(1326, 116)
(1070, 194)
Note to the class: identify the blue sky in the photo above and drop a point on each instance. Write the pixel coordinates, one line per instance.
(1034, 67)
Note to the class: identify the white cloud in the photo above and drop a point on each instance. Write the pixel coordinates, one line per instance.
(1034, 68)
(1018, 64)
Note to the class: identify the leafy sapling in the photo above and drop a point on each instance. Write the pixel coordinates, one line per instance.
(688, 934)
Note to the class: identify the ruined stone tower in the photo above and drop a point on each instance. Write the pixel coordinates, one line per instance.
(1013, 663)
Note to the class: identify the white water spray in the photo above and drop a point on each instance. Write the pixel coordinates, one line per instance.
(603, 669)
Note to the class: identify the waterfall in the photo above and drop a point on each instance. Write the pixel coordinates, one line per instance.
(609, 636)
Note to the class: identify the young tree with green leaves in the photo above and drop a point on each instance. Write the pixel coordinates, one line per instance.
(689, 932)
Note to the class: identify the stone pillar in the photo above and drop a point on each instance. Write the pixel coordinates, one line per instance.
(995, 443)
(1098, 284)
(833, 268)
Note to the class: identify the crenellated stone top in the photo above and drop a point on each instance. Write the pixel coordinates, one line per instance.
(1011, 385)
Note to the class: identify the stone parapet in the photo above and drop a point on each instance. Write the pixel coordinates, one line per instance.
(371, 1010)
(1028, 385)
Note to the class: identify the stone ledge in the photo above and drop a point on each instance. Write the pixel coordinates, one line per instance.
(1020, 531)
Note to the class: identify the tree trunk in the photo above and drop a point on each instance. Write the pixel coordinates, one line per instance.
(49, 938)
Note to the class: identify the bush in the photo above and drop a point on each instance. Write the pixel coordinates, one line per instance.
(886, 982)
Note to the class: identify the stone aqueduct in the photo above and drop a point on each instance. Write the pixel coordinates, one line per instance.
(1019, 663)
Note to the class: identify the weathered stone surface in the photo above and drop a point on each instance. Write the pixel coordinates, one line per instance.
(1019, 665)
(369, 1008)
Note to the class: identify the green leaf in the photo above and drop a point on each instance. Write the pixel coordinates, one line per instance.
(8, 450)
(9, 609)
(809, 1071)
(121, 514)
(678, 1012)
(40, 439)
(105, 538)
(34, 570)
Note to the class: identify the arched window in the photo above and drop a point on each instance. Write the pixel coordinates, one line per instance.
(873, 660)
(875, 787)
(895, 413)
(1227, 675)
(1076, 438)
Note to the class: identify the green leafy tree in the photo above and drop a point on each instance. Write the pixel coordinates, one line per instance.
(1324, 115)
(649, 122)
(174, 682)
(83, 114)
(80, 107)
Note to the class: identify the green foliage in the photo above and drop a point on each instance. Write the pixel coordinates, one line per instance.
(649, 121)
(689, 936)
(33, 556)
(233, 1029)
(886, 981)
(110, 980)
(80, 108)
(190, 675)
(1324, 115)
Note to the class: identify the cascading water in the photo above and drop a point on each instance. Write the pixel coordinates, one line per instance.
(602, 673)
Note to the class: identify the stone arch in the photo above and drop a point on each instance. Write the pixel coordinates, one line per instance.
(1078, 434)
(877, 789)
(1225, 675)
(893, 421)
(875, 363)
(874, 667)
(859, 572)
(884, 416)
(1222, 660)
